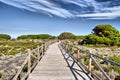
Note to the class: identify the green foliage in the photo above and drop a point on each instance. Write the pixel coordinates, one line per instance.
(106, 30)
(108, 68)
(75, 37)
(5, 37)
(13, 52)
(1, 74)
(25, 69)
(103, 34)
(14, 47)
(115, 59)
(116, 68)
(93, 39)
(66, 35)
(70, 36)
(37, 36)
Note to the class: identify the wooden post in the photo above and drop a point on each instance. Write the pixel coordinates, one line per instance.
(78, 54)
(72, 50)
(89, 64)
(45, 46)
(29, 62)
(42, 48)
(66, 47)
(38, 53)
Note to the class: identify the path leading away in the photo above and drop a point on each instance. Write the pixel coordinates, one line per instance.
(53, 66)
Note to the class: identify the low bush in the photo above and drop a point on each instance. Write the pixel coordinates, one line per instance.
(1, 74)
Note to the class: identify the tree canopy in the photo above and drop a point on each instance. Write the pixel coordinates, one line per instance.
(103, 34)
(106, 30)
(37, 36)
(5, 37)
(65, 35)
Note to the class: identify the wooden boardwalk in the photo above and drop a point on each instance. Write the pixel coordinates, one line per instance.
(53, 66)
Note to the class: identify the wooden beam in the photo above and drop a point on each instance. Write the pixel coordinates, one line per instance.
(29, 62)
(38, 53)
(89, 65)
(78, 54)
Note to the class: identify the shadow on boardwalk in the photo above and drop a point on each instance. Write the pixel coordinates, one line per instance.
(75, 68)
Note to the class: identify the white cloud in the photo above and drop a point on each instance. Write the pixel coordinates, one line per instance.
(112, 9)
(108, 15)
(76, 2)
(102, 18)
(45, 7)
(49, 8)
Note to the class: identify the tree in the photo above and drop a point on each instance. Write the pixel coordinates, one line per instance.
(22, 37)
(103, 34)
(106, 30)
(36, 36)
(5, 36)
(65, 35)
(94, 39)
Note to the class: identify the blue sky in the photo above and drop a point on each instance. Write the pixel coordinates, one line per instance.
(19, 17)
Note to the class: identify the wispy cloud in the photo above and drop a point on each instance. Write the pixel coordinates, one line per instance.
(108, 15)
(91, 8)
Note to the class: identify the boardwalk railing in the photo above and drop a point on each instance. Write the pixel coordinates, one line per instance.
(32, 59)
(25, 63)
(96, 66)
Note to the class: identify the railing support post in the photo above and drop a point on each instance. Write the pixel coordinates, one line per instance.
(89, 64)
(72, 50)
(42, 49)
(29, 62)
(78, 54)
(66, 47)
(38, 53)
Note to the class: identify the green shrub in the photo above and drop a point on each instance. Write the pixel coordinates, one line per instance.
(115, 59)
(106, 30)
(5, 36)
(65, 35)
(25, 69)
(1, 74)
(13, 52)
(36, 36)
(94, 39)
(103, 34)
(116, 68)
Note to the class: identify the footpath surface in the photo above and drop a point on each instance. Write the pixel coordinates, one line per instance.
(53, 67)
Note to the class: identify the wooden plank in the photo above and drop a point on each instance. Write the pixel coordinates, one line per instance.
(78, 54)
(54, 67)
(89, 65)
(29, 62)
(38, 53)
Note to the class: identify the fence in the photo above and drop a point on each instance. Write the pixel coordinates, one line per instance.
(93, 64)
(28, 61)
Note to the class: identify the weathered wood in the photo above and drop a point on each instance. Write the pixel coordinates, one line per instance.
(104, 73)
(22, 66)
(89, 65)
(38, 54)
(65, 43)
(29, 62)
(72, 50)
(78, 54)
(24, 77)
(42, 48)
(54, 67)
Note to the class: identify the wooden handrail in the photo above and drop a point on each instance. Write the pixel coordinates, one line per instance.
(38, 54)
(91, 58)
(104, 73)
